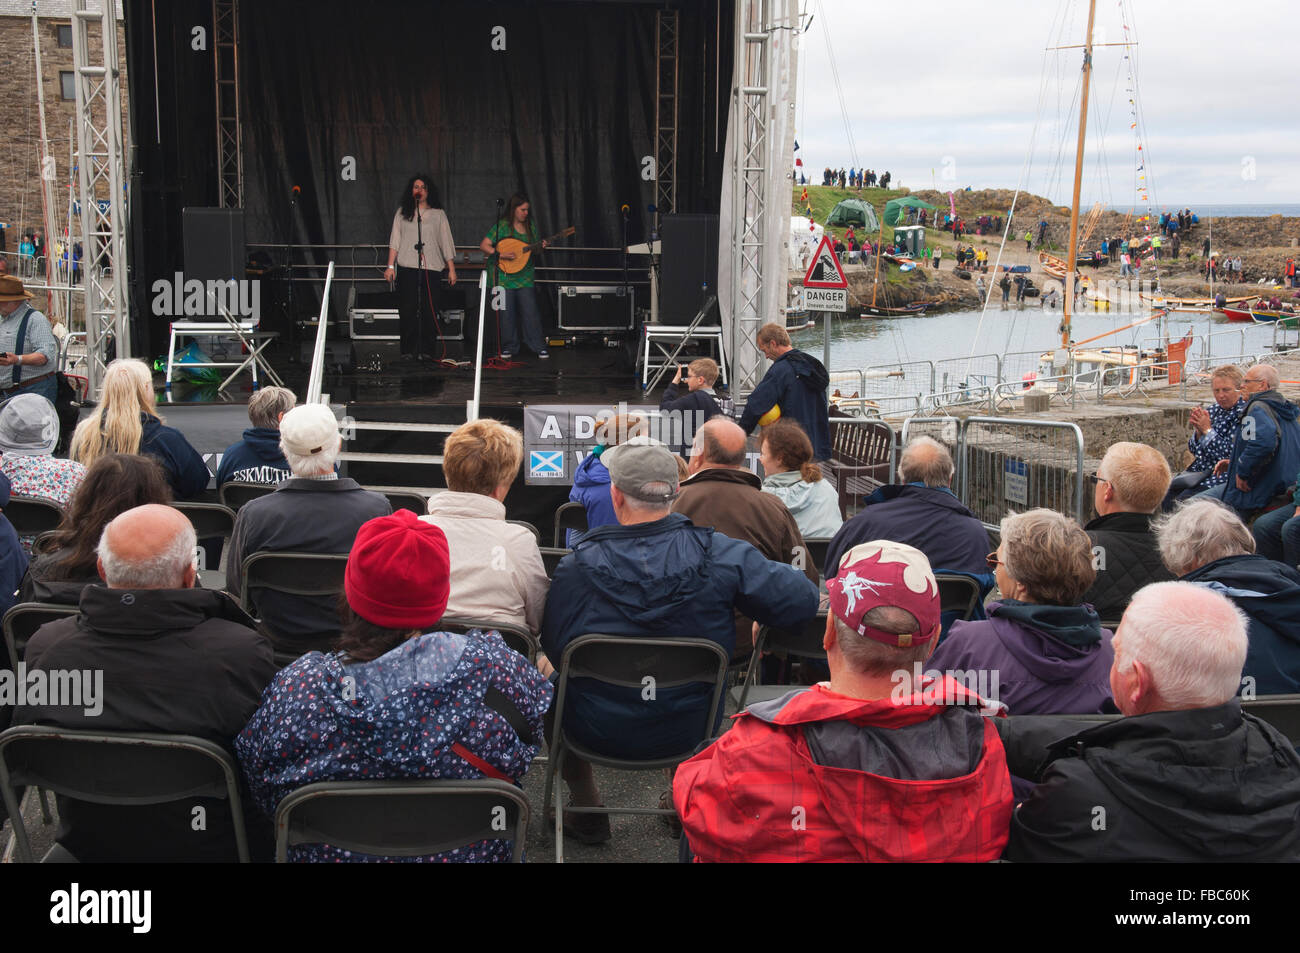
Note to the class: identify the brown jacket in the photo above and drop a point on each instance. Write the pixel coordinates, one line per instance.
(733, 503)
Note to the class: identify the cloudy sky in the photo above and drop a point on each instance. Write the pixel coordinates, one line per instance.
(953, 87)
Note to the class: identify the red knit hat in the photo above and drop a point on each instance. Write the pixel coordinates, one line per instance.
(398, 573)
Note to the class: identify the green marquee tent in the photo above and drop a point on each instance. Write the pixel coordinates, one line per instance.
(855, 213)
(894, 207)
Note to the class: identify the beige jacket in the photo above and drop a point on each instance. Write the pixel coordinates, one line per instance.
(496, 570)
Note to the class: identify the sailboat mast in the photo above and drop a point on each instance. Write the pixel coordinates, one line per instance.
(879, 241)
(1070, 261)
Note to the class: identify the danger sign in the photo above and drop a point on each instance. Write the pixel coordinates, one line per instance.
(825, 270)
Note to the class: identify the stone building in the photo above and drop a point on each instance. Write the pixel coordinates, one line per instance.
(20, 128)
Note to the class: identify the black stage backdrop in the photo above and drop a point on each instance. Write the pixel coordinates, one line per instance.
(347, 101)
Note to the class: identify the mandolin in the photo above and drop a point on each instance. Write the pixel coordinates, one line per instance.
(523, 250)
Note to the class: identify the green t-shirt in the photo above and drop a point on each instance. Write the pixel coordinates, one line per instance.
(524, 277)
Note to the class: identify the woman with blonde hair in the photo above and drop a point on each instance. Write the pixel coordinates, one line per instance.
(126, 420)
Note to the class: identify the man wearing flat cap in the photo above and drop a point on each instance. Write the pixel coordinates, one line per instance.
(885, 762)
(28, 351)
(314, 511)
(654, 574)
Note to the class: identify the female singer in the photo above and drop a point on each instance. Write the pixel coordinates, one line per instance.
(420, 246)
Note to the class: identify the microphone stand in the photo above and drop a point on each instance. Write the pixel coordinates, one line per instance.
(419, 277)
(626, 285)
(494, 273)
(286, 259)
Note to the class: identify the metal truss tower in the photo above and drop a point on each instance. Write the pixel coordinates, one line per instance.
(225, 66)
(666, 64)
(102, 171)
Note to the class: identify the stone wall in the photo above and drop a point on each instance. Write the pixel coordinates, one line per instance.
(20, 128)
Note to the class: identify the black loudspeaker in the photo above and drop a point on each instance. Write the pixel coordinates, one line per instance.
(214, 243)
(688, 271)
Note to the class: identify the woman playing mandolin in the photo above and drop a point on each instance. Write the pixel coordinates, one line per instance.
(513, 240)
(418, 272)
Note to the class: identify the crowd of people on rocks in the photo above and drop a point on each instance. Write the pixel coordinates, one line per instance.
(855, 178)
(915, 730)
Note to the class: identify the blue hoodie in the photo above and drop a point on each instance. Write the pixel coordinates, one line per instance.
(1266, 453)
(255, 459)
(1269, 593)
(186, 471)
(591, 489)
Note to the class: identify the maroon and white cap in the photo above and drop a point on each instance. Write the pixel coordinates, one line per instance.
(884, 573)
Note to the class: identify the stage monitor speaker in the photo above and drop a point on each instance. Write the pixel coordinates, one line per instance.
(214, 243)
(688, 271)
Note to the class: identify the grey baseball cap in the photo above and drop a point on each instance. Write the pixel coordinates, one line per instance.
(29, 426)
(639, 462)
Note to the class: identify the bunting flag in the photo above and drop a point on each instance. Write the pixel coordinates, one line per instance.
(796, 145)
(804, 197)
(798, 163)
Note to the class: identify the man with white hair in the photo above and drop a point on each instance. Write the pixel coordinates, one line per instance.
(154, 654)
(1266, 452)
(885, 762)
(1186, 775)
(921, 511)
(314, 511)
(1131, 483)
(1204, 542)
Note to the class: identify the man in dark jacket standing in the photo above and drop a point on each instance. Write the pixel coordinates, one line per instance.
(796, 384)
(257, 458)
(921, 512)
(654, 574)
(315, 511)
(166, 657)
(1185, 775)
(1131, 482)
(1266, 453)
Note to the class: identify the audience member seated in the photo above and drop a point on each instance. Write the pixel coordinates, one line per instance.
(724, 494)
(1204, 542)
(1266, 447)
(314, 511)
(882, 763)
(1277, 532)
(1049, 654)
(399, 699)
(790, 475)
(68, 561)
(29, 431)
(1213, 433)
(1185, 776)
(496, 569)
(13, 569)
(257, 457)
(1131, 482)
(656, 574)
(591, 479)
(165, 657)
(126, 421)
(922, 512)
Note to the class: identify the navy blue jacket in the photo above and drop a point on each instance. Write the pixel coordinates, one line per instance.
(1266, 453)
(669, 578)
(186, 471)
(13, 564)
(930, 519)
(255, 459)
(797, 383)
(1269, 593)
(698, 401)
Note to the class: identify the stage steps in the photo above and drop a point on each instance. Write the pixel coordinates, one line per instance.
(397, 446)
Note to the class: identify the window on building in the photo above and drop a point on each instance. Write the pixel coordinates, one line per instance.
(66, 84)
(65, 37)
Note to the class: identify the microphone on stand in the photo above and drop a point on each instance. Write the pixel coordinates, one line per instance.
(294, 193)
(625, 209)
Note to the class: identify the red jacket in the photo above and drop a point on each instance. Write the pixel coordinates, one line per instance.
(796, 779)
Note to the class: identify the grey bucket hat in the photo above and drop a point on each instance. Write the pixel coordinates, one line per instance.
(29, 426)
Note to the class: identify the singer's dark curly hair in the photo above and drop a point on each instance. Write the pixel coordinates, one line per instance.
(408, 200)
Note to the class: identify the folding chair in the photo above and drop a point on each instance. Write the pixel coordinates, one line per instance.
(414, 502)
(116, 768)
(803, 642)
(569, 516)
(625, 661)
(537, 535)
(402, 818)
(1280, 711)
(21, 622)
(957, 593)
(210, 521)
(236, 493)
(515, 636)
(318, 575)
(551, 556)
(32, 515)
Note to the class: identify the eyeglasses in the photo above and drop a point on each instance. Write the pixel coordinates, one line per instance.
(993, 561)
(1097, 479)
(1251, 380)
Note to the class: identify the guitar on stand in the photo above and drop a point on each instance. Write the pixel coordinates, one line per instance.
(519, 251)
